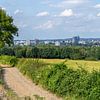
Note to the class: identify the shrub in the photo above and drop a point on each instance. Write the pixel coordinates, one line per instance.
(9, 60)
(63, 81)
(31, 68)
(48, 51)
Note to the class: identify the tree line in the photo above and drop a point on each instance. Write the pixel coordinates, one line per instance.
(69, 52)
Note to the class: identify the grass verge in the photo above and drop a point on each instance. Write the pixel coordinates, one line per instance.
(63, 81)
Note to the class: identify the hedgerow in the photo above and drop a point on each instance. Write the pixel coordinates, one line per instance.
(62, 80)
(31, 68)
(8, 60)
(59, 78)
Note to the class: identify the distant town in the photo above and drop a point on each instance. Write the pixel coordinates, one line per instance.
(76, 40)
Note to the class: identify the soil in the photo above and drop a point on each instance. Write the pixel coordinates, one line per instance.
(22, 86)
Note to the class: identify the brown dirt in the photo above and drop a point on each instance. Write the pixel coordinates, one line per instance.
(24, 87)
(1, 88)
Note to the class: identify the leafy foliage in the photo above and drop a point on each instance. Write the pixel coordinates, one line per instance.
(31, 68)
(1, 76)
(52, 52)
(63, 81)
(8, 60)
(7, 29)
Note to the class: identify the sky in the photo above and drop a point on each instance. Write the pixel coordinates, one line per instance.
(54, 19)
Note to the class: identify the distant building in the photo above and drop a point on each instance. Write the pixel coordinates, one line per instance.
(28, 42)
(75, 40)
(61, 42)
(36, 41)
(20, 42)
(57, 43)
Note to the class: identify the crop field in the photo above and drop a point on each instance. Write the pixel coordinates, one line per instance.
(88, 65)
(62, 79)
(61, 76)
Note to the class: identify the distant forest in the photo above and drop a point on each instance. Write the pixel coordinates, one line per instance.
(54, 52)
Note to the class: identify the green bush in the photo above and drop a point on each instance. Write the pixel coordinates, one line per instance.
(1, 76)
(9, 60)
(79, 84)
(63, 81)
(31, 68)
(52, 52)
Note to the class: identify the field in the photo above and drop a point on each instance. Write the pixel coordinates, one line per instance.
(62, 79)
(88, 65)
(69, 79)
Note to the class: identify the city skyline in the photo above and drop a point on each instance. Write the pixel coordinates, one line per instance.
(49, 19)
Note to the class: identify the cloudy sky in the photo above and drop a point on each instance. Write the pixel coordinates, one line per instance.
(49, 19)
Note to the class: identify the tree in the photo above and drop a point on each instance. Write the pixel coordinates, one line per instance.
(7, 29)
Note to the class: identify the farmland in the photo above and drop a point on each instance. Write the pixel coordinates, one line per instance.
(68, 79)
(63, 80)
(88, 65)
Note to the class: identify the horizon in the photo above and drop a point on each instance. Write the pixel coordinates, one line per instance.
(59, 38)
(48, 19)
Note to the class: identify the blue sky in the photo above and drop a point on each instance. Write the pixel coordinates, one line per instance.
(49, 19)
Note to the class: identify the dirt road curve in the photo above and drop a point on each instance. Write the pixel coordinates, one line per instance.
(24, 87)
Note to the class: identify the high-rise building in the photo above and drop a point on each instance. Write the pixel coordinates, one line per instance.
(75, 40)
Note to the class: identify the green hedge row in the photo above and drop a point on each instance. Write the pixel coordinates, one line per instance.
(63, 81)
(8, 60)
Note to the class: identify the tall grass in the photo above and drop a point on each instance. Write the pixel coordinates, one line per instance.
(31, 68)
(62, 80)
(8, 60)
(1, 76)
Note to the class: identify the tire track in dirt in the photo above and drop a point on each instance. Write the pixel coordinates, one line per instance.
(23, 86)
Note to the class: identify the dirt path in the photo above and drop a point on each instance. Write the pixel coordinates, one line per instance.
(24, 87)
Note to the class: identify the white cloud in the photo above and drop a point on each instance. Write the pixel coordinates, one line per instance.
(24, 25)
(73, 1)
(48, 25)
(3, 8)
(43, 14)
(18, 12)
(98, 15)
(67, 13)
(66, 3)
(21, 24)
(97, 6)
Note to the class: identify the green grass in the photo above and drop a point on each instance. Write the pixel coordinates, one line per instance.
(87, 65)
(75, 64)
(1, 76)
(62, 80)
(8, 60)
(67, 79)
(37, 97)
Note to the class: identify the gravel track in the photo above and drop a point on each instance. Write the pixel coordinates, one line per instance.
(23, 86)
